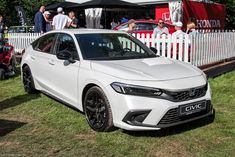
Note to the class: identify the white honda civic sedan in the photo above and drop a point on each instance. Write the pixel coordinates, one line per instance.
(115, 80)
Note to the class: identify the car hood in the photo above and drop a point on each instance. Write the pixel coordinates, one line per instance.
(159, 69)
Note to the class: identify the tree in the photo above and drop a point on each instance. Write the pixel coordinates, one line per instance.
(7, 9)
(230, 10)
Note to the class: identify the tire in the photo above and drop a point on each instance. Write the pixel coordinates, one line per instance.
(28, 81)
(97, 110)
(2, 74)
(13, 64)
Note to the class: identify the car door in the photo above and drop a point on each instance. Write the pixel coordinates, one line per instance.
(64, 73)
(42, 58)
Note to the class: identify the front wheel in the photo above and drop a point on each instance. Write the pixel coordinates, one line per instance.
(97, 110)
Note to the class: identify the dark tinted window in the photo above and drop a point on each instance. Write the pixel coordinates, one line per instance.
(145, 26)
(46, 43)
(66, 43)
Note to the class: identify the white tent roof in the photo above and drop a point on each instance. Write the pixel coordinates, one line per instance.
(131, 1)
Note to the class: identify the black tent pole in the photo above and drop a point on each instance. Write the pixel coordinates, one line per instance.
(104, 17)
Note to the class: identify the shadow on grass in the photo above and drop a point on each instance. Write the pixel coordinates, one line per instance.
(7, 126)
(17, 100)
(172, 130)
(63, 102)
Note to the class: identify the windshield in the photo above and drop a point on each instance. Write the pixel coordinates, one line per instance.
(112, 47)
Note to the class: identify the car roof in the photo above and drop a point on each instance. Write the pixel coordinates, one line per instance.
(86, 31)
(20, 26)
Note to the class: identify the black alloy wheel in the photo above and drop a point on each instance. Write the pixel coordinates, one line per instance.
(97, 110)
(28, 81)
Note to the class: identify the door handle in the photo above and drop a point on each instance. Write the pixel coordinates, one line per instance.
(32, 57)
(51, 62)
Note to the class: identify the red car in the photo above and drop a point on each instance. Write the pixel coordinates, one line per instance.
(143, 27)
(7, 60)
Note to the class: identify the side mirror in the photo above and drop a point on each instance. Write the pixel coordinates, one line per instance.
(153, 49)
(65, 55)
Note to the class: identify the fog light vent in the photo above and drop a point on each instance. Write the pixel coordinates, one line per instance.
(136, 117)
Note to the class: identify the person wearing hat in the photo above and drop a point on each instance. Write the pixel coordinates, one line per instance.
(39, 21)
(178, 28)
(46, 15)
(61, 21)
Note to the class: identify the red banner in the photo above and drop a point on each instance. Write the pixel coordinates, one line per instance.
(207, 15)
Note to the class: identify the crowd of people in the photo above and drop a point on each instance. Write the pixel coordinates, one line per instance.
(161, 29)
(60, 21)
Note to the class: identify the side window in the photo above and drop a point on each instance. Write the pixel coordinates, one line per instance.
(144, 26)
(46, 43)
(123, 27)
(66, 43)
(154, 26)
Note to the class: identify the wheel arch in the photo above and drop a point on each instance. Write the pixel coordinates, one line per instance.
(85, 89)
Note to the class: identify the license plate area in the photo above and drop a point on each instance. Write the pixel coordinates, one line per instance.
(189, 109)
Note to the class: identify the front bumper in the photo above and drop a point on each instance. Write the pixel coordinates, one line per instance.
(144, 113)
(171, 118)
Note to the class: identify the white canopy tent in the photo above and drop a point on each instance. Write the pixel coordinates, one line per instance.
(93, 15)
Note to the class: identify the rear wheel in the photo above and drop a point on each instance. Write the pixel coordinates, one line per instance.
(97, 110)
(28, 81)
(2, 74)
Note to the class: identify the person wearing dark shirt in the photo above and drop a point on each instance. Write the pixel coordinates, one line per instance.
(74, 23)
(39, 21)
(2, 25)
(47, 21)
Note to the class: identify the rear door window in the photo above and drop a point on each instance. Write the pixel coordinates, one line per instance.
(145, 26)
(45, 44)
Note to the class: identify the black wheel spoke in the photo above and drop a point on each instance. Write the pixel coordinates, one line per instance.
(102, 109)
(95, 110)
(89, 108)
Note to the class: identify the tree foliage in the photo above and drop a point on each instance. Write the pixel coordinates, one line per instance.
(230, 10)
(7, 9)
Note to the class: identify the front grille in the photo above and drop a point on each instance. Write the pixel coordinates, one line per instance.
(173, 117)
(187, 94)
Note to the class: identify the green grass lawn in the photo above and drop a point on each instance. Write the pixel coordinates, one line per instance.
(35, 125)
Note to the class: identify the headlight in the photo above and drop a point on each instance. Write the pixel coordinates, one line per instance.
(136, 90)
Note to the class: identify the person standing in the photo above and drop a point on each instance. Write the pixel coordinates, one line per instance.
(160, 29)
(178, 32)
(74, 23)
(131, 25)
(39, 21)
(191, 29)
(46, 15)
(61, 21)
(2, 26)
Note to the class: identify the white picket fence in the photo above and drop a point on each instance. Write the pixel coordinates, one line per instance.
(202, 49)
(21, 40)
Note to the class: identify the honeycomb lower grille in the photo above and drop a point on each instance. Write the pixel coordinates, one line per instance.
(172, 116)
